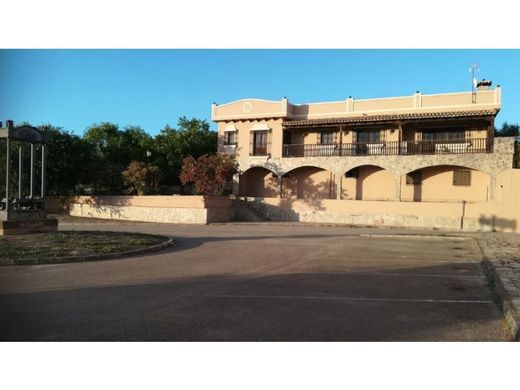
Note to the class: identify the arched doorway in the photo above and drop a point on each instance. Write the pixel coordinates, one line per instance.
(258, 182)
(309, 183)
(445, 183)
(368, 182)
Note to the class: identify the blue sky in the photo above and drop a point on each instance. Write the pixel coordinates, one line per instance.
(151, 88)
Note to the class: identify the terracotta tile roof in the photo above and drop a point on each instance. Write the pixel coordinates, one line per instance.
(390, 117)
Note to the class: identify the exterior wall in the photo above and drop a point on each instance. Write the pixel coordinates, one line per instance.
(492, 163)
(448, 216)
(309, 183)
(247, 109)
(373, 183)
(437, 185)
(166, 209)
(244, 129)
(244, 114)
(258, 182)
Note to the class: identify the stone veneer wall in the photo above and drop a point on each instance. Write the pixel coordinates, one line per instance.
(166, 209)
(477, 216)
(491, 163)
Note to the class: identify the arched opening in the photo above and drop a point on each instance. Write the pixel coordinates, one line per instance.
(258, 182)
(445, 183)
(368, 182)
(309, 183)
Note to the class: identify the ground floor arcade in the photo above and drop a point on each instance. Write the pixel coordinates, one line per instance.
(369, 182)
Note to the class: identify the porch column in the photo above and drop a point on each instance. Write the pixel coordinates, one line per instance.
(399, 136)
(338, 186)
(492, 186)
(280, 186)
(236, 184)
(398, 188)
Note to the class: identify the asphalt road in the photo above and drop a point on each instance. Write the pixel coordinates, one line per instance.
(245, 282)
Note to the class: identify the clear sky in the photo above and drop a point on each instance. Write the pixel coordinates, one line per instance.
(151, 88)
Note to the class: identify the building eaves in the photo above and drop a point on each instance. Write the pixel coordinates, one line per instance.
(391, 117)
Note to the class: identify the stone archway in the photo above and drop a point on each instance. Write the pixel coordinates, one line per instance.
(368, 182)
(259, 182)
(441, 183)
(309, 183)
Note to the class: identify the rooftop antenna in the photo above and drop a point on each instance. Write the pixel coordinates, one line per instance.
(474, 68)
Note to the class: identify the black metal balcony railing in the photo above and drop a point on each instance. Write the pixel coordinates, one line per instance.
(462, 146)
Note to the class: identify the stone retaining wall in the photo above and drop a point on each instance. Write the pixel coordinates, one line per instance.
(166, 209)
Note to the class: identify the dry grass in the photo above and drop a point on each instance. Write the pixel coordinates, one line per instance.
(65, 244)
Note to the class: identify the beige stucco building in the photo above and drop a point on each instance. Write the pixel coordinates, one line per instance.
(310, 161)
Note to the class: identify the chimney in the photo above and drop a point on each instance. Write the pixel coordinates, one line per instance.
(484, 85)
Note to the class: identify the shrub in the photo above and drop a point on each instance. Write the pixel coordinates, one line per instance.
(209, 173)
(141, 177)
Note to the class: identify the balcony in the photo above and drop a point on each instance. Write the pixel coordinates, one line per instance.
(460, 146)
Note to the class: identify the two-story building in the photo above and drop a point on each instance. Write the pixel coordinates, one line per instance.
(418, 148)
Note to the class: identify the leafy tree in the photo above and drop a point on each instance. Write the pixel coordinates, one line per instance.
(115, 149)
(69, 161)
(141, 177)
(508, 130)
(192, 138)
(209, 173)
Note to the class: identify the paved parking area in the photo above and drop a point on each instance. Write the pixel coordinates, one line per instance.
(258, 282)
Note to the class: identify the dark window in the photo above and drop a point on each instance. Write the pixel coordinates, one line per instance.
(369, 136)
(260, 143)
(414, 178)
(287, 138)
(462, 177)
(326, 137)
(230, 138)
(443, 134)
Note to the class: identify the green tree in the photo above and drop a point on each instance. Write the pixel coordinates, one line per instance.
(141, 177)
(192, 138)
(69, 161)
(508, 130)
(115, 149)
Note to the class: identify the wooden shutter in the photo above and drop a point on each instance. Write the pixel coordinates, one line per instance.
(462, 177)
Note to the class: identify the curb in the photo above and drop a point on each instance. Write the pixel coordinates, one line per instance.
(504, 300)
(76, 259)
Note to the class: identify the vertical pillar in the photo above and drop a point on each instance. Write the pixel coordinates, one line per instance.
(339, 186)
(7, 174)
(31, 178)
(280, 186)
(43, 172)
(236, 184)
(398, 180)
(20, 171)
(492, 186)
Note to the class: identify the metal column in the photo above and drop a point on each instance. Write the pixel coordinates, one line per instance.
(7, 175)
(31, 180)
(43, 172)
(20, 171)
